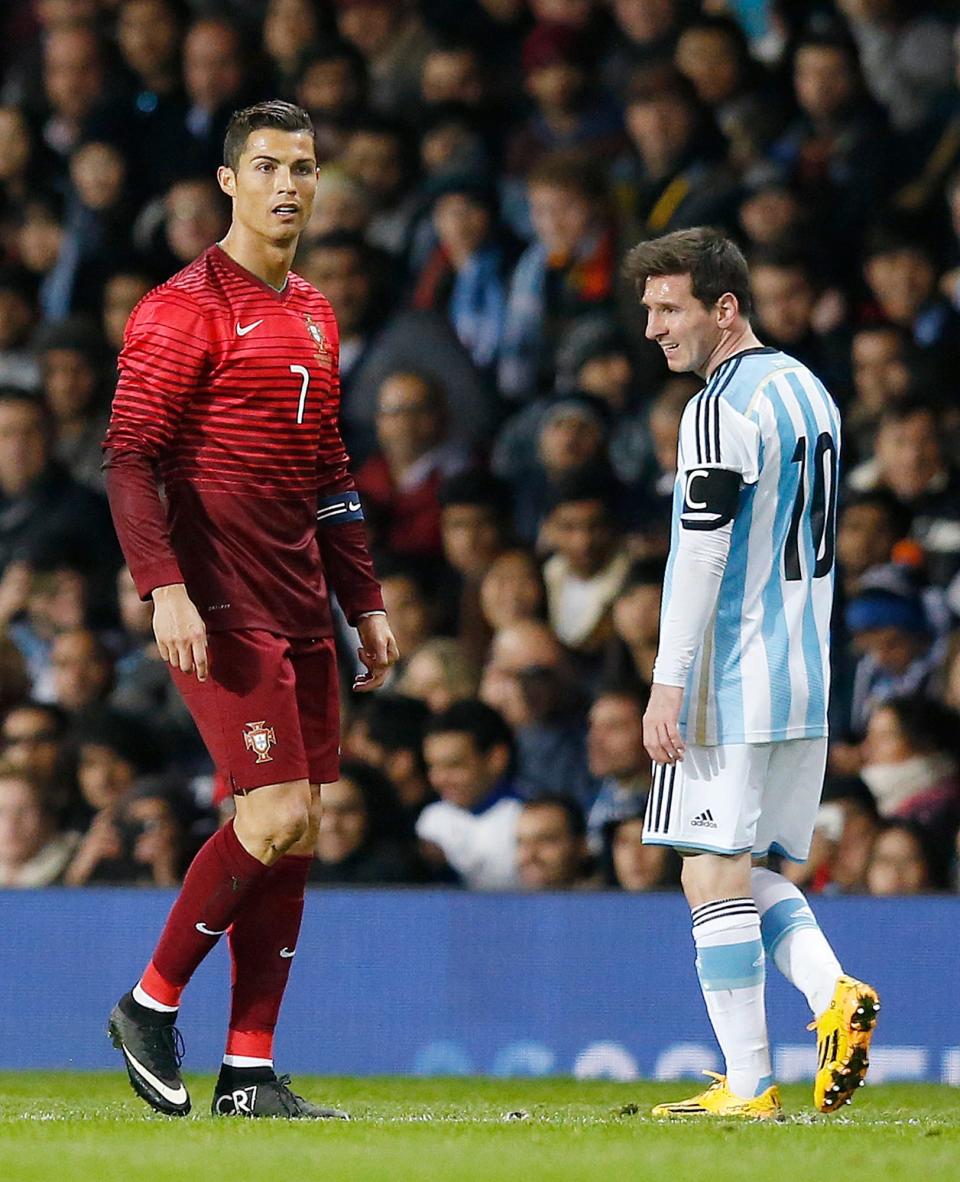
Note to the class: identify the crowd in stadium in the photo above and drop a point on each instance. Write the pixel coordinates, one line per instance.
(485, 165)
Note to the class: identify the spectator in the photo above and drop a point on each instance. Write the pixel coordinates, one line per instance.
(331, 84)
(400, 483)
(645, 35)
(408, 604)
(439, 674)
(215, 79)
(45, 510)
(552, 845)
(18, 311)
(567, 272)
(785, 294)
(140, 840)
(571, 437)
(893, 631)
(73, 81)
(360, 840)
(901, 270)
(475, 526)
(617, 758)
(387, 734)
(513, 590)
(342, 204)
(112, 750)
(373, 345)
(194, 217)
(376, 152)
(122, 292)
(289, 26)
(465, 276)
(881, 359)
(569, 112)
(673, 174)
(33, 735)
(72, 364)
(32, 852)
(901, 863)
(82, 670)
(586, 571)
(838, 148)
(472, 827)
(394, 43)
(713, 54)
(529, 679)
(869, 526)
(636, 623)
(910, 763)
(53, 599)
(142, 684)
(911, 463)
(633, 866)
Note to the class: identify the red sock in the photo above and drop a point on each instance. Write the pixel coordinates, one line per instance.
(217, 885)
(262, 943)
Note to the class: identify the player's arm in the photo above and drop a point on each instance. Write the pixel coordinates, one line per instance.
(163, 357)
(711, 483)
(347, 565)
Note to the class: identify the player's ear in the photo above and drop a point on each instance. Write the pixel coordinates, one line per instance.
(728, 308)
(227, 180)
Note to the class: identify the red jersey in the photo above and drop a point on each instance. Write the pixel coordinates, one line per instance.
(230, 390)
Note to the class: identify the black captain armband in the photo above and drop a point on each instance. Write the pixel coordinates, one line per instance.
(339, 508)
(710, 497)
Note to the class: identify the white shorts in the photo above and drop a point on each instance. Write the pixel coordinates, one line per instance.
(757, 797)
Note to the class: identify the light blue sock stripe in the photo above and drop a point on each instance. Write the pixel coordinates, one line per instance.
(730, 966)
(789, 915)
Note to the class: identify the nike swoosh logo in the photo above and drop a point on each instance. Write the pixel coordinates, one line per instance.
(286, 953)
(353, 506)
(242, 332)
(202, 927)
(174, 1095)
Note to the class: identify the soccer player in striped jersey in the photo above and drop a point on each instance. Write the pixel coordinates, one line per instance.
(737, 720)
(229, 393)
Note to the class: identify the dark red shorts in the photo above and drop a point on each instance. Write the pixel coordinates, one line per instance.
(269, 712)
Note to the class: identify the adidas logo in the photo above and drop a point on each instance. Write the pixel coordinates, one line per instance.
(704, 821)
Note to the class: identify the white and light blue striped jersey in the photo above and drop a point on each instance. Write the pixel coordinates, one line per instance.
(762, 670)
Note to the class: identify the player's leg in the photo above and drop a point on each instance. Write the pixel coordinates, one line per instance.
(264, 937)
(844, 1009)
(231, 864)
(706, 806)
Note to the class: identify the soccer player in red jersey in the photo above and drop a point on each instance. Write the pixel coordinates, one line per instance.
(229, 394)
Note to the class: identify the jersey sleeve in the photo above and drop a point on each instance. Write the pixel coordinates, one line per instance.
(713, 434)
(165, 353)
(341, 534)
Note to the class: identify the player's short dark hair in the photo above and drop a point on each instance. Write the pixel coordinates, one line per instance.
(481, 722)
(576, 821)
(713, 261)
(273, 113)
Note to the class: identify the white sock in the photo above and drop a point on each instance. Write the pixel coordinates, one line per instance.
(143, 998)
(730, 965)
(245, 1061)
(792, 937)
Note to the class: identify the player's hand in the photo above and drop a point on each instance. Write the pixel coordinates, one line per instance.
(661, 733)
(378, 652)
(180, 632)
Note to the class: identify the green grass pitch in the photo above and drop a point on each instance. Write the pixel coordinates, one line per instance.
(61, 1127)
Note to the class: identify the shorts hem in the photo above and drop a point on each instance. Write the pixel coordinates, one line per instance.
(775, 848)
(690, 845)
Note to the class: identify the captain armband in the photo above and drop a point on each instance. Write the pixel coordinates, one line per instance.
(339, 508)
(710, 497)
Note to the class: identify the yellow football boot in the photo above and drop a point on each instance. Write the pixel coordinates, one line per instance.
(718, 1100)
(844, 1031)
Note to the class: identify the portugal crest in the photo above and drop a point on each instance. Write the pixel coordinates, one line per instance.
(259, 739)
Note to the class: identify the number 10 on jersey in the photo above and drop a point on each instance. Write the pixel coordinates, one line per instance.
(823, 508)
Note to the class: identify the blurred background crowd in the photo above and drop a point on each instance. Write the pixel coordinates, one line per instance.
(485, 164)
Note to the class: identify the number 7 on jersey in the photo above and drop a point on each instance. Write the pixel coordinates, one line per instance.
(304, 375)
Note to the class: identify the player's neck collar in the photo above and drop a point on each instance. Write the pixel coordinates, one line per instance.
(245, 271)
